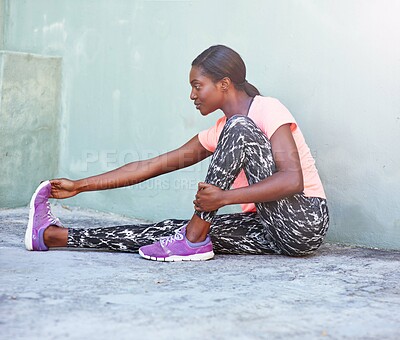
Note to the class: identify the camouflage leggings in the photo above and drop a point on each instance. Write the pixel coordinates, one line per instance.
(293, 226)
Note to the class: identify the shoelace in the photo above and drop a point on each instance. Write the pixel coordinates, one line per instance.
(50, 216)
(172, 238)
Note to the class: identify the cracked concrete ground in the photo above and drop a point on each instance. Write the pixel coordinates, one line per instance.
(339, 293)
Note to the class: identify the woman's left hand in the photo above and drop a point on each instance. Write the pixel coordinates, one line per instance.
(208, 197)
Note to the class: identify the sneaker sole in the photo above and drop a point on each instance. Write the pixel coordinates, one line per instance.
(176, 258)
(28, 233)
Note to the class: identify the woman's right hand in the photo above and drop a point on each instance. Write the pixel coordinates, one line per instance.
(63, 188)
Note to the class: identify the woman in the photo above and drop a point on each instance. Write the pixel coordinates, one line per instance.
(257, 146)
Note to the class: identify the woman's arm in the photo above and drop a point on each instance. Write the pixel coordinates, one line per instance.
(134, 172)
(287, 181)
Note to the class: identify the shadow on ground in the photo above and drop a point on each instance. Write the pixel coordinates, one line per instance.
(339, 293)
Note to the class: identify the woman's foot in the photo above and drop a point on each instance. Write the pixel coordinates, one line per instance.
(40, 218)
(178, 248)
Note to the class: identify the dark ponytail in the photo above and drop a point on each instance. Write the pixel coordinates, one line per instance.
(250, 89)
(220, 61)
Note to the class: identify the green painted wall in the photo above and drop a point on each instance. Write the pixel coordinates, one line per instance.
(125, 95)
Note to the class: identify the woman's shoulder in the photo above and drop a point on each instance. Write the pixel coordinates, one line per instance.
(265, 100)
(269, 105)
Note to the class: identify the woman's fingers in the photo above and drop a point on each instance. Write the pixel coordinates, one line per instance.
(207, 197)
(202, 186)
(196, 203)
(62, 188)
(197, 206)
(53, 183)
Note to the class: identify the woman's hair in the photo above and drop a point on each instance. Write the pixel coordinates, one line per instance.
(220, 61)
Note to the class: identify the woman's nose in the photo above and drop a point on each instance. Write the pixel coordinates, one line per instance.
(192, 95)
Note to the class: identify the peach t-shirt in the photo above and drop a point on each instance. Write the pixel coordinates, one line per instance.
(269, 114)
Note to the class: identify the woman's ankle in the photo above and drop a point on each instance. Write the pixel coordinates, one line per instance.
(55, 236)
(197, 229)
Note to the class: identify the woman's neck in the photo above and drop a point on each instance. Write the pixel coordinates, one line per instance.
(237, 104)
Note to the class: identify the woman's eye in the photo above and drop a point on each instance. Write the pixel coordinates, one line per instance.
(197, 87)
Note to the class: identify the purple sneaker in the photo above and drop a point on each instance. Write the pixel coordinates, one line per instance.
(176, 248)
(40, 217)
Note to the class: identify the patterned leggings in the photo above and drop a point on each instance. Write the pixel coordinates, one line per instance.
(292, 226)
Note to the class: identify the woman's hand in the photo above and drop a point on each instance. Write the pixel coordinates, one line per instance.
(63, 188)
(209, 198)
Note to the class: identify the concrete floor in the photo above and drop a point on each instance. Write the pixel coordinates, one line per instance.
(340, 293)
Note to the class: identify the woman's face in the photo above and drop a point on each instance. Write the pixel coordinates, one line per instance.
(207, 95)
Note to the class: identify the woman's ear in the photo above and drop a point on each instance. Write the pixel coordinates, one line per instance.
(225, 83)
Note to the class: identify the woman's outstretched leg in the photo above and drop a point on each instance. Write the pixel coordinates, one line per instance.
(126, 238)
(240, 233)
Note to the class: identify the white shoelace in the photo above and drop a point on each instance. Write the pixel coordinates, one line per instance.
(50, 216)
(172, 238)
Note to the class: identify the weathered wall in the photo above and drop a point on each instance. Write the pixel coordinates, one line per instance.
(2, 23)
(126, 93)
(29, 124)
